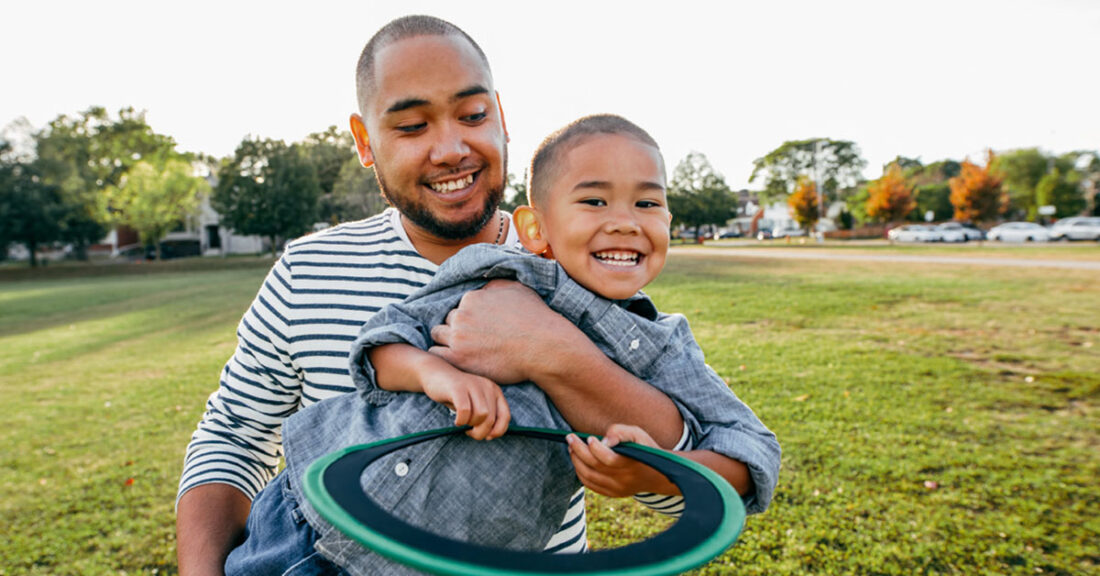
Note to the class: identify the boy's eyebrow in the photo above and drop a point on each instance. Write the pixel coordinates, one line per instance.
(605, 185)
(407, 103)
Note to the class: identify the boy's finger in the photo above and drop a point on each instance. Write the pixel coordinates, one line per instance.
(503, 417)
(604, 454)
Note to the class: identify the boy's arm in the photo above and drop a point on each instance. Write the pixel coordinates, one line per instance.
(506, 333)
(476, 401)
(604, 471)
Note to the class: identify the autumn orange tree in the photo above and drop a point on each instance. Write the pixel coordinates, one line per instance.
(804, 203)
(891, 197)
(977, 194)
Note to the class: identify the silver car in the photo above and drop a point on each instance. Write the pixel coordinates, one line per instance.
(1076, 228)
(1019, 232)
(959, 232)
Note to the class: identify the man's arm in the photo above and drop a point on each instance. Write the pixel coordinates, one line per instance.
(507, 334)
(210, 520)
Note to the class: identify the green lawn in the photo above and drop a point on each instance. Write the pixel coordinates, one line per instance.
(934, 419)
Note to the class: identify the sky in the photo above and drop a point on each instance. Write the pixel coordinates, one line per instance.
(732, 80)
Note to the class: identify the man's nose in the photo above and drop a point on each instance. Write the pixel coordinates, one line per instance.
(449, 147)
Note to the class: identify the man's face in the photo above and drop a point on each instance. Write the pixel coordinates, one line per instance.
(437, 135)
(606, 215)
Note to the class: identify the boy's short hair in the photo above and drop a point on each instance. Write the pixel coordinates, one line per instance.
(550, 154)
(397, 30)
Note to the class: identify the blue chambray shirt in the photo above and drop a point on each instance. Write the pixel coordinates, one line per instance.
(510, 492)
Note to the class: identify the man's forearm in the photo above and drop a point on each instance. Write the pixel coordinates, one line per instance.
(210, 520)
(592, 392)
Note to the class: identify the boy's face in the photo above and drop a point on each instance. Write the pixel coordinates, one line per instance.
(606, 216)
(436, 134)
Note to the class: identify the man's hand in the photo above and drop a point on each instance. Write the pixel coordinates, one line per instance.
(477, 402)
(500, 332)
(605, 472)
(506, 333)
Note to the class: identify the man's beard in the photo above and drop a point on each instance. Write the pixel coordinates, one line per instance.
(420, 215)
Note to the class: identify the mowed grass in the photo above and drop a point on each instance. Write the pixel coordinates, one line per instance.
(935, 419)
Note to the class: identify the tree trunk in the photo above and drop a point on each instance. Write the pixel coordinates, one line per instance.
(32, 245)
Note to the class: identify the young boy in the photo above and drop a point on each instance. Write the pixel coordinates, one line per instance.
(599, 219)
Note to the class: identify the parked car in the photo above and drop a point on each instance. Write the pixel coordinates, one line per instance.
(727, 234)
(1019, 232)
(959, 232)
(763, 233)
(788, 232)
(914, 233)
(1076, 228)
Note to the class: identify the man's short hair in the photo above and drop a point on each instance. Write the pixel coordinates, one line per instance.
(395, 31)
(546, 162)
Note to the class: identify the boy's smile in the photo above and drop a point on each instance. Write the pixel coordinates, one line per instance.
(606, 216)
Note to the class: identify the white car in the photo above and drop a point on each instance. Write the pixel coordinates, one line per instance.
(915, 233)
(959, 232)
(1076, 228)
(1019, 232)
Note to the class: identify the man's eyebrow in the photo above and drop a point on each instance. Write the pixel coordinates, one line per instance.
(407, 103)
(471, 91)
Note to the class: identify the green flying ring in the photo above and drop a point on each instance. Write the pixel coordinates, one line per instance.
(711, 521)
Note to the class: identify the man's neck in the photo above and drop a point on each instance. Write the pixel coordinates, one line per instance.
(437, 249)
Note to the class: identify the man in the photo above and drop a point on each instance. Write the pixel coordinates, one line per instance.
(430, 123)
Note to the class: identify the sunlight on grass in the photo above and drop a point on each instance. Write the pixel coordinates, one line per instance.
(934, 419)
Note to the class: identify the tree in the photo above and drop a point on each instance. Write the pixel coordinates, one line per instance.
(976, 193)
(30, 209)
(835, 164)
(698, 195)
(85, 154)
(805, 203)
(1063, 191)
(517, 195)
(890, 198)
(152, 199)
(329, 151)
(355, 194)
(268, 189)
(1020, 171)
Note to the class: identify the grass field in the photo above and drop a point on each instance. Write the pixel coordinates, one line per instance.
(934, 419)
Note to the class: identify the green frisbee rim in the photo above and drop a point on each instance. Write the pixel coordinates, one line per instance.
(709, 546)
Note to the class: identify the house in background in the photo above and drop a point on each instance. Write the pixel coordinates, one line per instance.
(200, 234)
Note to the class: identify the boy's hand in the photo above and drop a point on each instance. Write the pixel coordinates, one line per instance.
(603, 471)
(477, 402)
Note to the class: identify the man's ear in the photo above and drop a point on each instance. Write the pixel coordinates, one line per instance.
(500, 110)
(529, 230)
(362, 141)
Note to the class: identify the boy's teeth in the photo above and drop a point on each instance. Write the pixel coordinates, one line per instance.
(453, 185)
(618, 258)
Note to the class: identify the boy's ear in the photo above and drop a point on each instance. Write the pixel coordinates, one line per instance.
(503, 124)
(529, 230)
(362, 141)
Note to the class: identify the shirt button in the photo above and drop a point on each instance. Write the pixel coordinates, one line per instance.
(634, 344)
(401, 469)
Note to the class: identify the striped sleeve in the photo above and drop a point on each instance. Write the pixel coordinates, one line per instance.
(239, 439)
(666, 504)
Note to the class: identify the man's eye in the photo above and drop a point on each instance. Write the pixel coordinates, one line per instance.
(411, 128)
(475, 117)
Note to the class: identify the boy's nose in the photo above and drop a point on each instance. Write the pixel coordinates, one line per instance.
(622, 222)
(449, 147)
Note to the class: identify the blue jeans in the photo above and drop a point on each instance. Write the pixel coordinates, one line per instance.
(278, 540)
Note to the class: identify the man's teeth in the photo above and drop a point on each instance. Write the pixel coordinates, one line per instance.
(453, 185)
(618, 258)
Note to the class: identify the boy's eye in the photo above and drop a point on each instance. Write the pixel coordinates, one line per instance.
(594, 202)
(648, 204)
(411, 128)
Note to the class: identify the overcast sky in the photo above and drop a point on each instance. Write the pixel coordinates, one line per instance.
(930, 79)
